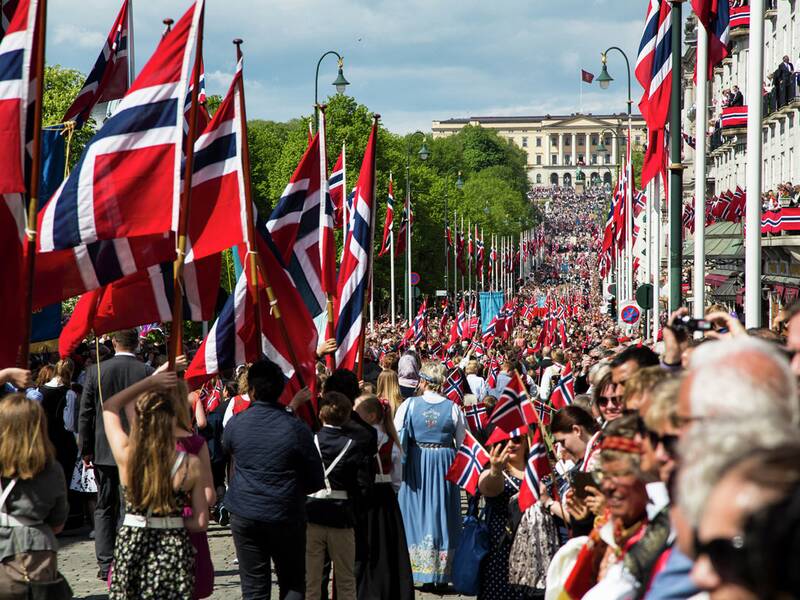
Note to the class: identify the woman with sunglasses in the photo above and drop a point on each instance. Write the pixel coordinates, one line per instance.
(498, 484)
(608, 402)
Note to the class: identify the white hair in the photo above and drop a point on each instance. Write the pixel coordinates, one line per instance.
(745, 378)
(708, 449)
(744, 396)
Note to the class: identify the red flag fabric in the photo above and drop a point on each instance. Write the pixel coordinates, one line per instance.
(536, 468)
(586, 76)
(507, 413)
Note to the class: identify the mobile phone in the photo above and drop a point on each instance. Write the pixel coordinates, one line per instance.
(579, 480)
(688, 323)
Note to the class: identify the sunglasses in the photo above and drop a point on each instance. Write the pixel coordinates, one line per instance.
(669, 441)
(516, 439)
(728, 556)
(603, 400)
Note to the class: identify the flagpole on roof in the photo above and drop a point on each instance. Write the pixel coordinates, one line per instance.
(176, 332)
(701, 121)
(252, 248)
(33, 182)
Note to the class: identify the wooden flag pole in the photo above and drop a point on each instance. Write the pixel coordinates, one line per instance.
(33, 185)
(176, 332)
(252, 247)
(361, 340)
(545, 435)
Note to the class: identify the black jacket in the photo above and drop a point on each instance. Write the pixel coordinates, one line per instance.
(344, 477)
(116, 374)
(366, 437)
(275, 464)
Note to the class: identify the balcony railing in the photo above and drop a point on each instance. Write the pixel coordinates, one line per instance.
(782, 94)
(783, 220)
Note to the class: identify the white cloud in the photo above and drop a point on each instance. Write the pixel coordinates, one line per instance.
(66, 33)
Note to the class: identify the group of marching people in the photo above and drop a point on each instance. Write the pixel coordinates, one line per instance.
(642, 470)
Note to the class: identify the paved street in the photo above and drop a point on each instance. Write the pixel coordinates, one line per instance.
(77, 564)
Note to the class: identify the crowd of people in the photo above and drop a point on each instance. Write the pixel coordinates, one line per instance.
(674, 468)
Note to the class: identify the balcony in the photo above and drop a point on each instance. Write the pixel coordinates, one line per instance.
(771, 9)
(781, 99)
(740, 21)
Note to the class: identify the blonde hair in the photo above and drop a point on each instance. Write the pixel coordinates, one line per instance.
(64, 369)
(45, 374)
(25, 447)
(389, 389)
(151, 455)
(664, 406)
(433, 374)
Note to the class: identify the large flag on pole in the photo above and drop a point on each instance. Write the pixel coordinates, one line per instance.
(108, 79)
(128, 180)
(354, 273)
(654, 72)
(387, 224)
(714, 15)
(17, 82)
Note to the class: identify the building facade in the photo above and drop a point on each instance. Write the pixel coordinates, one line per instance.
(558, 147)
(780, 99)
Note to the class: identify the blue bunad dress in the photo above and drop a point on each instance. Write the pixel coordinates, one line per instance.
(431, 427)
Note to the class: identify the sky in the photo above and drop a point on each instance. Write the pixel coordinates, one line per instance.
(412, 61)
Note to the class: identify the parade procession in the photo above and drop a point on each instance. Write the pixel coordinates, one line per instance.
(509, 311)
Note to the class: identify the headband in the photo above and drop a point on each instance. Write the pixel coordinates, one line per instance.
(621, 444)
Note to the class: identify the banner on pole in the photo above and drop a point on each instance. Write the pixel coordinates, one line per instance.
(491, 303)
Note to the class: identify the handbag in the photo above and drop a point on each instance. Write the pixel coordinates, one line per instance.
(15, 584)
(470, 552)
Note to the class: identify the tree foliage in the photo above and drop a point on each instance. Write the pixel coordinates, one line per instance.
(61, 87)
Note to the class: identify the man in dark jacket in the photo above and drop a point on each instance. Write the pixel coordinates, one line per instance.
(275, 466)
(116, 374)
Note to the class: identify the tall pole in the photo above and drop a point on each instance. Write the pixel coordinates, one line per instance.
(675, 167)
(316, 81)
(455, 260)
(701, 104)
(648, 229)
(470, 251)
(755, 75)
(658, 245)
(324, 223)
(408, 260)
(483, 271)
(345, 216)
(446, 247)
(33, 183)
(131, 57)
(391, 266)
(176, 332)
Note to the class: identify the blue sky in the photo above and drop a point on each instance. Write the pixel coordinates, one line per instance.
(410, 60)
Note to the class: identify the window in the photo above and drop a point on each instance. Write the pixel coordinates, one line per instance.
(524, 142)
(567, 140)
(538, 159)
(554, 159)
(539, 141)
(580, 158)
(594, 159)
(568, 160)
(538, 178)
(554, 139)
(607, 141)
(637, 140)
(608, 159)
(594, 139)
(581, 139)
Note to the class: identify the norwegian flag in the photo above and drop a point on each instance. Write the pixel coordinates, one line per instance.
(17, 98)
(537, 467)
(336, 189)
(688, 217)
(544, 412)
(455, 386)
(507, 413)
(7, 8)
(639, 203)
(402, 233)
(476, 417)
(108, 79)
(714, 16)
(354, 273)
(481, 253)
(654, 72)
(493, 371)
(128, 180)
(460, 250)
(233, 339)
(466, 469)
(457, 330)
(436, 349)
(294, 225)
(419, 326)
(564, 392)
(500, 435)
(211, 394)
(17, 69)
(142, 298)
(445, 318)
(388, 223)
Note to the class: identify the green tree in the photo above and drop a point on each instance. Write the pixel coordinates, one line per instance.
(61, 87)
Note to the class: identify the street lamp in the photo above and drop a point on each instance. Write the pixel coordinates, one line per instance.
(340, 83)
(604, 80)
(423, 154)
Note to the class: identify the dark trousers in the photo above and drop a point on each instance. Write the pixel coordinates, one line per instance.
(256, 543)
(108, 514)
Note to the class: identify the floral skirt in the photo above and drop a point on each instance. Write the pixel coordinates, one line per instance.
(153, 564)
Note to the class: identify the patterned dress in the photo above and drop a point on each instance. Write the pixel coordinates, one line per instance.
(494, 568)
(155, 564)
